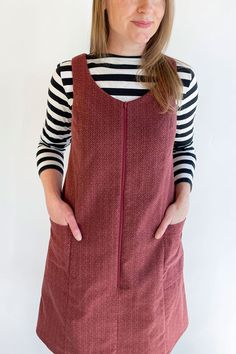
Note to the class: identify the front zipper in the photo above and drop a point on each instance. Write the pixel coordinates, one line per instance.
(122, 190)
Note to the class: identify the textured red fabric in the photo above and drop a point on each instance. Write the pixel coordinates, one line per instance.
(119, 290)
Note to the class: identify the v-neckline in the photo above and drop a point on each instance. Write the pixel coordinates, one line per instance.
(105, 94)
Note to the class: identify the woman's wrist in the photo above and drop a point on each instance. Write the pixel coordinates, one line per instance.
(53, 197)
(182, 191)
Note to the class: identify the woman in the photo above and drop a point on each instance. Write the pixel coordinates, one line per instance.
(113, 280)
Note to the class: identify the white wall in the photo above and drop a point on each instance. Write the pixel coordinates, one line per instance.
(35, 36)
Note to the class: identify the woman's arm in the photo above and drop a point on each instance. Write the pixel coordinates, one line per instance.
(184, 156)
(56, 131)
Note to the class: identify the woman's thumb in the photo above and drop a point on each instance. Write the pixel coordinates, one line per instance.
(75, 229)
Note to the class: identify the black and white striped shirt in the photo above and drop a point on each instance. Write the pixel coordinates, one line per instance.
(122, 85)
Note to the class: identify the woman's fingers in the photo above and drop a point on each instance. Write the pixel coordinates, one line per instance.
(162, 228)
(172, 213)
(169, 213)
(74, 228)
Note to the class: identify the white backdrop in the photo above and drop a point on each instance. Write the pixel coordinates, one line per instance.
(35, 36)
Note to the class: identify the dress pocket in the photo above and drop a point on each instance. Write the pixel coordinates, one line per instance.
(59, 246)
(173, 253)
(55, 287)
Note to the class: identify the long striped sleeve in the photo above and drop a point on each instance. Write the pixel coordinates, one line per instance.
(184, 155)
(56, 132)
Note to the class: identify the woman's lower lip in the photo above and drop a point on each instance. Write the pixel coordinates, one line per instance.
(143, 25)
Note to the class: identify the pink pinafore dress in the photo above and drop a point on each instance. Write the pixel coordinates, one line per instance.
(119, 290)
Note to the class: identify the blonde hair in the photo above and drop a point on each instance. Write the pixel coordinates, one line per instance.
(158, 67)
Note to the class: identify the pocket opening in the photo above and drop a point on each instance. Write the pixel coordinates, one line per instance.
(56, 224)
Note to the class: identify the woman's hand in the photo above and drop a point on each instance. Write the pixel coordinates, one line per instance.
(61, 213)
(175, 213)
